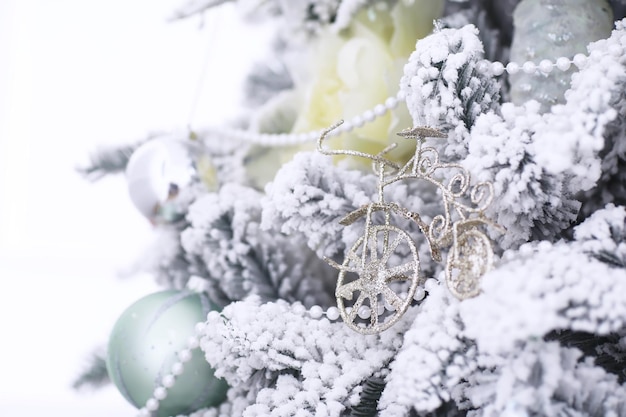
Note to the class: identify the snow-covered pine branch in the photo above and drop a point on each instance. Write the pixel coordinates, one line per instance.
(309, 195)
(542, 378)
(295, 365)
(531, 202)
(567, 286)
(225, 245)
(445, 89)
(540, 163)
(489, 356)
(603, 235)
(611, 187)
(434, 362)
(105, 161)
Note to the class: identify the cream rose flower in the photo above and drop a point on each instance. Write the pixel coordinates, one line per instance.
(358, 68)
(344, 74)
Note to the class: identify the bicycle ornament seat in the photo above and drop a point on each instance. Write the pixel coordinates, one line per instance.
(380, 273)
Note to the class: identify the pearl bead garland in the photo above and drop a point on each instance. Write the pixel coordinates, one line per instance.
(168, 380)
(284, 139)
(495, 68)
(193, 342)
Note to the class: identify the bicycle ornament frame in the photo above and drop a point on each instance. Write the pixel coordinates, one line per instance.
(385, 259)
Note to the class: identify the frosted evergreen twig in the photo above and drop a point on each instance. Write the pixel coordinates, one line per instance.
(225, 245)
(95, 373)
(291, 361)
(107, 161)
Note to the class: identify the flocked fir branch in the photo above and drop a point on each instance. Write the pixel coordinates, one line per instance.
(370, 394)
(561, 286)
(562, 292)
(487, 354)
(95, 373)
(434, 100)
(293, 363)
(607, 351)
(532, 202)
(541, 163)
(445, 89)
(546, 379)
(309, 195)
(226, 246)
(603, 236)
(434, 362)
(610, 186)
(107, 161)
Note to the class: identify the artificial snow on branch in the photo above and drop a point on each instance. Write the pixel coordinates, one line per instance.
(531, 203)
(445, 89)
(564, 285)
(610, 188)
(227, 247)
(296, 365)
(434, 362)
(544, 379)
(105, 161)
(309, 195)
(603, 235)
(95, 373)
(488, 354)
(540, 163)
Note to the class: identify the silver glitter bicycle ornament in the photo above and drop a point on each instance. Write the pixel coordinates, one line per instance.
(380, 273)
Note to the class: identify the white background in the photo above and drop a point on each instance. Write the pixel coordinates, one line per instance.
(76, 74)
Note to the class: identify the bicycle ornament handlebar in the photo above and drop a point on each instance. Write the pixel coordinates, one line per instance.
(378, 158)
(380, 273)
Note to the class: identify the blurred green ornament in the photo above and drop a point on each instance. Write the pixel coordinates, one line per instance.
(143, 349)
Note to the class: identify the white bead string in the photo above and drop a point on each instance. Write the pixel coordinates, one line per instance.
(315, 312)
(168, 380)
(184, 355)
(285, 139)
(495, 68)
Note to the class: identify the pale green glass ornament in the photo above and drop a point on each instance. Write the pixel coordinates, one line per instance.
(549, 29)
(143, 347)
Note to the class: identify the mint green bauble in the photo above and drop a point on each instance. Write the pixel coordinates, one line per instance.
(144, 345)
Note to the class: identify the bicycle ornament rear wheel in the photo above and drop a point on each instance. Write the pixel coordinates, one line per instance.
(378, 279)
(472, 258)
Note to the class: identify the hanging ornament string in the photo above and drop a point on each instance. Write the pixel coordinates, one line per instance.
(494, 68)
(213, 23)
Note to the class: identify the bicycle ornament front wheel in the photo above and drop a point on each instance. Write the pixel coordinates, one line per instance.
(378, 279)
(470, 258)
